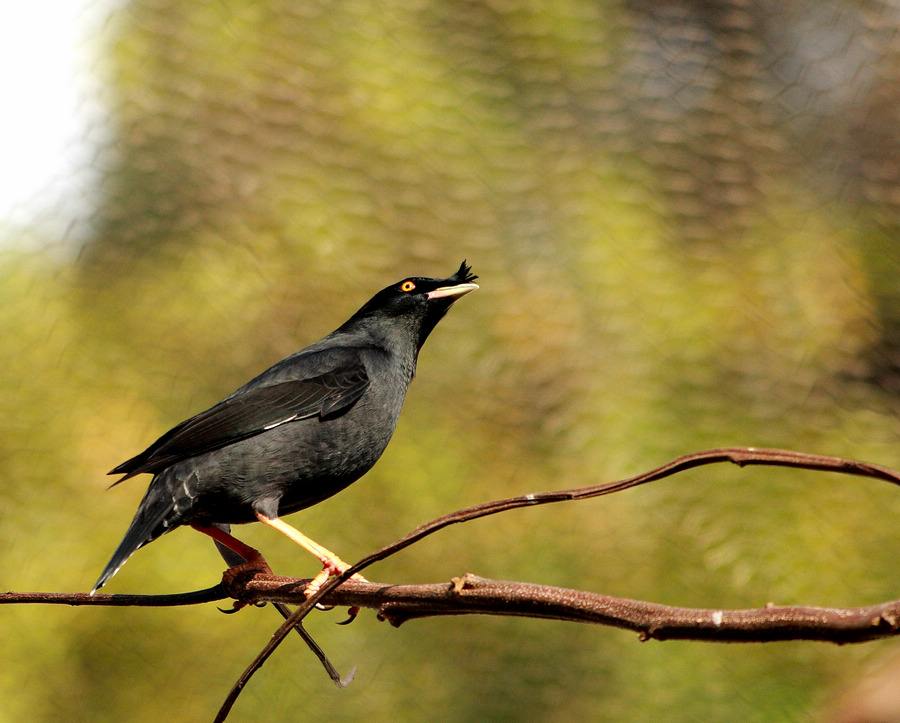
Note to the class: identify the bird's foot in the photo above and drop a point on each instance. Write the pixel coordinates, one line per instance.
(240, 605)
(235, 579)
(256, 565)
(336, 566)
(316, 583)
(331, 566)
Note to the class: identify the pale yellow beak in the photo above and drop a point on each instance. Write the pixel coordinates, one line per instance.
(446, 292)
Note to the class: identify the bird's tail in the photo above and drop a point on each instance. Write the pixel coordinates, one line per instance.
(152, 519)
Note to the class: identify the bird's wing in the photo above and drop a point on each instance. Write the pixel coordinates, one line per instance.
(251, 412)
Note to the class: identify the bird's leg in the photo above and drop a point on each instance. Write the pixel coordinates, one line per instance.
(255, 562)
(234, 560)
(331, 563)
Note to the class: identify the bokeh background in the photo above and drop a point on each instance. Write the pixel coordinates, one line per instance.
(685, 218)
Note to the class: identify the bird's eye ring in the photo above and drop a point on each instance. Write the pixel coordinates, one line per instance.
(407, 286)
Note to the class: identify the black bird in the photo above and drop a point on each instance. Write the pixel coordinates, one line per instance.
(296, 434)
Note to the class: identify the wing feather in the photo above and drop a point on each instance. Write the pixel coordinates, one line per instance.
(251, 412)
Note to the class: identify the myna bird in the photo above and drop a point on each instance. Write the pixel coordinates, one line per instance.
(296, 434)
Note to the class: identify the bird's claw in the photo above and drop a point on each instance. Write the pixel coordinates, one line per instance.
(235, 606)
(330, 568)
(352, 614)
(333, 567)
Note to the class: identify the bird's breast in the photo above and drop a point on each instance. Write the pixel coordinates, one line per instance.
(327, 455)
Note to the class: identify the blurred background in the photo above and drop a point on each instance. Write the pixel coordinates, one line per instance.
(685, 219)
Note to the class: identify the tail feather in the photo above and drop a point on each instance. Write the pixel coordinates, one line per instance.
(153, 518)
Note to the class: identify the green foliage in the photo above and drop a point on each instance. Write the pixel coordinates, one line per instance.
(672, 257)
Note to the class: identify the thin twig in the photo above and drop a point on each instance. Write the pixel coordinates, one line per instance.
(234, 559)
(740, 456)
(336, 678)
(210, 594)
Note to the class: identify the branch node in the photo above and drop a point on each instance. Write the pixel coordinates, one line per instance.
(386, 614)
(466, 582)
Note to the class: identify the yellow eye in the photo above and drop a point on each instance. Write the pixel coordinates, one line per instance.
(407, 286)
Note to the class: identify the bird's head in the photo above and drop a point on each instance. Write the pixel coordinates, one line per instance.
(415, 304)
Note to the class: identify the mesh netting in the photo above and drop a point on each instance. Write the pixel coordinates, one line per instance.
(685, 219)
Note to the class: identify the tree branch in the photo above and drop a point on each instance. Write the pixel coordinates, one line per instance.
(470, 594)
(475, 595)
(740, 456)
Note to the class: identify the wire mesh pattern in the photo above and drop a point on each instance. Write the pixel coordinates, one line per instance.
(685, 218)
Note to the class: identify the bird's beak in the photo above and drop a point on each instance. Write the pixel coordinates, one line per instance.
(450, 292)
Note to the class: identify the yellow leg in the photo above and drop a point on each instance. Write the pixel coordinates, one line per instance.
(331, 563)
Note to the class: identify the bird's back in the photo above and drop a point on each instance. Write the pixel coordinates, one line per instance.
(300, 462)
